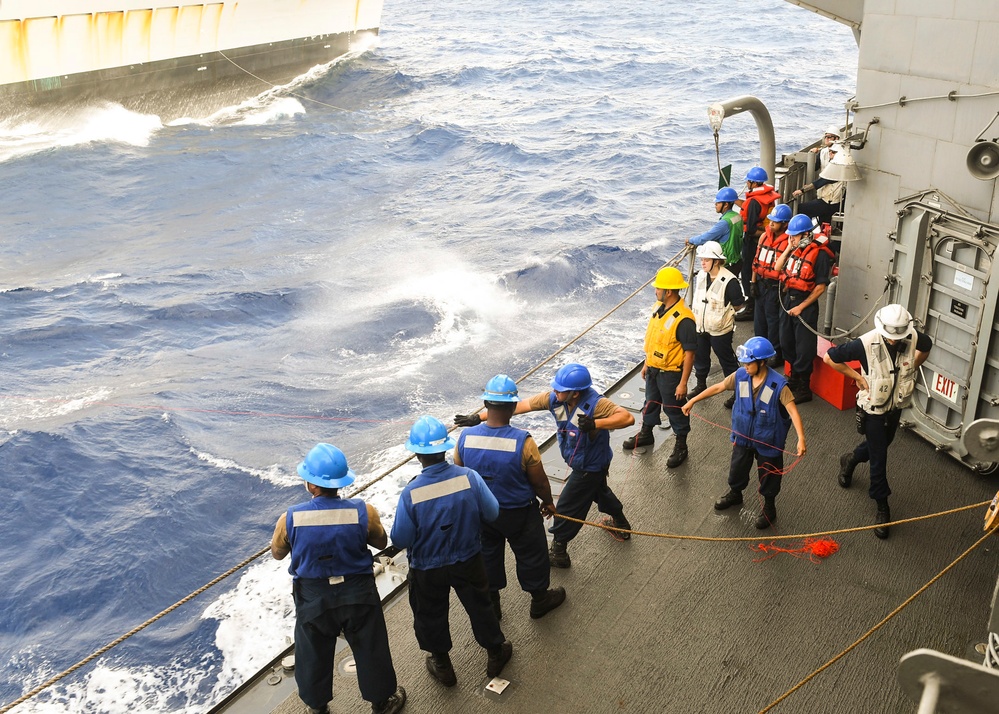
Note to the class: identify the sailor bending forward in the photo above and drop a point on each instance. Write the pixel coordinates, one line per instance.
(889, 357)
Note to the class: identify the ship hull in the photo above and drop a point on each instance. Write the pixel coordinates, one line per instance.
(186, 61)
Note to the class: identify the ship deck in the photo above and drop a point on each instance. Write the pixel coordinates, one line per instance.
(661, 625)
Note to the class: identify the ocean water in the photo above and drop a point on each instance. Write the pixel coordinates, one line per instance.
(187, 309)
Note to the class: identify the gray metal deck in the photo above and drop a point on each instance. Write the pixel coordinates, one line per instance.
(655, 625)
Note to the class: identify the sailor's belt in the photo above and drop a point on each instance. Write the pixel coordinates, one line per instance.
(767, 282)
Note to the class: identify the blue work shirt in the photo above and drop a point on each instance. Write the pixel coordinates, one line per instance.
(439, 516)
(718, 232)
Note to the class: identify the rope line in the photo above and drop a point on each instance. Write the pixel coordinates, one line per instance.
(48, 683)
(277, 86)
(718, 539)
(878, 626)
(97, 653)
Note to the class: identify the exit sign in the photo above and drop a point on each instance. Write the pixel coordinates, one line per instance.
(945, 387)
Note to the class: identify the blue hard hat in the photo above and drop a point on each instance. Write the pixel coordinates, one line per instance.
(755, 348)
(799, 224)
(726, 195)
(757, 174)
(781, 213)
(326, 466)
(429, 436)
(573, 377)
(500, 389)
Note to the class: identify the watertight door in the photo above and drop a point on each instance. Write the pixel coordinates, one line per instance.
(944, 265)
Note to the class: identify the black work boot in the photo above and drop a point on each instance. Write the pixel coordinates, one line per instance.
(730, 402)
(846, 466)
(544, 601)
(732, 498)
(558, 556)
(645, 437)
(777, 362)
(439, 666)
(883, 517)
(679, 454)
(802, 389)
(392, 705)
(622, 522)
(702, 384)
(498, 657)
(768, 516)
(495, 600)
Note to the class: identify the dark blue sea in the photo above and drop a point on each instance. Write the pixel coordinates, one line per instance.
(187, 309)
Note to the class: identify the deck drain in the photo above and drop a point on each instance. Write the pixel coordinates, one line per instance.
(348, 666)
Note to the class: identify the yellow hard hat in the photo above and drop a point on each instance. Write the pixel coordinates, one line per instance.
(669, 279)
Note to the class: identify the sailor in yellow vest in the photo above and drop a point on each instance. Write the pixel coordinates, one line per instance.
(717, 296)
(889, 357)
(670, 344)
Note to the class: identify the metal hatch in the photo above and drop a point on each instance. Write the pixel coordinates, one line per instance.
(943, 261)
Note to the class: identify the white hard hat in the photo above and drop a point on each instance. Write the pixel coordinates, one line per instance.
(711, 249)
(836, 146)
(833, 129)
(893, 322)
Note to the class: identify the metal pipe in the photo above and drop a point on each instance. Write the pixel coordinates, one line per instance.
(830, 295)
(764, 125)
(931, 694)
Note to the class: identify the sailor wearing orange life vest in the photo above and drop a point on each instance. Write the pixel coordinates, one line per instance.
(765, 287)
(805, 267)
(760, 198)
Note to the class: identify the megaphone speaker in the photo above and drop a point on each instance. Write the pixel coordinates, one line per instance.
(983, 160)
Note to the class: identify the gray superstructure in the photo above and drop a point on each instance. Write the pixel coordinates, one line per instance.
(923, 220)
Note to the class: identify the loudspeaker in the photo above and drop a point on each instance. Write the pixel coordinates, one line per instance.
(983, 160)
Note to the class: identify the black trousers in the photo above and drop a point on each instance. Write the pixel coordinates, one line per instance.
(798, 343)
(768, 312)
(880, 431)
(430, 598)
(581, 489)
(660, 396)
(721, 345)
(524, 529)
(769, 468)
(316, 631)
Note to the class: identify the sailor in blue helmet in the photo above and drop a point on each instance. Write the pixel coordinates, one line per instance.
(582, 417)
(727, 231)
(509, 462)
(805, 267)
(438, 519)
(764, 409)
(334, 585)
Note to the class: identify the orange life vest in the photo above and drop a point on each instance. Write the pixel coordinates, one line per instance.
(764, 195)
(767, 252)
(799, 272)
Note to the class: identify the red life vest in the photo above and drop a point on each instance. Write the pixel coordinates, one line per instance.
(767, 252)
(799, 272)
(764, 195)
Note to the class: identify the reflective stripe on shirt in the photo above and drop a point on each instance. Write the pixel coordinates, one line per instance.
(439, 490)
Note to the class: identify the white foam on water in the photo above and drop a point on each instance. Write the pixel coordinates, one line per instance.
(116, 690)
(276, 103)
(14, 410)
(256, 621)
(274, 473)
(41, 130)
